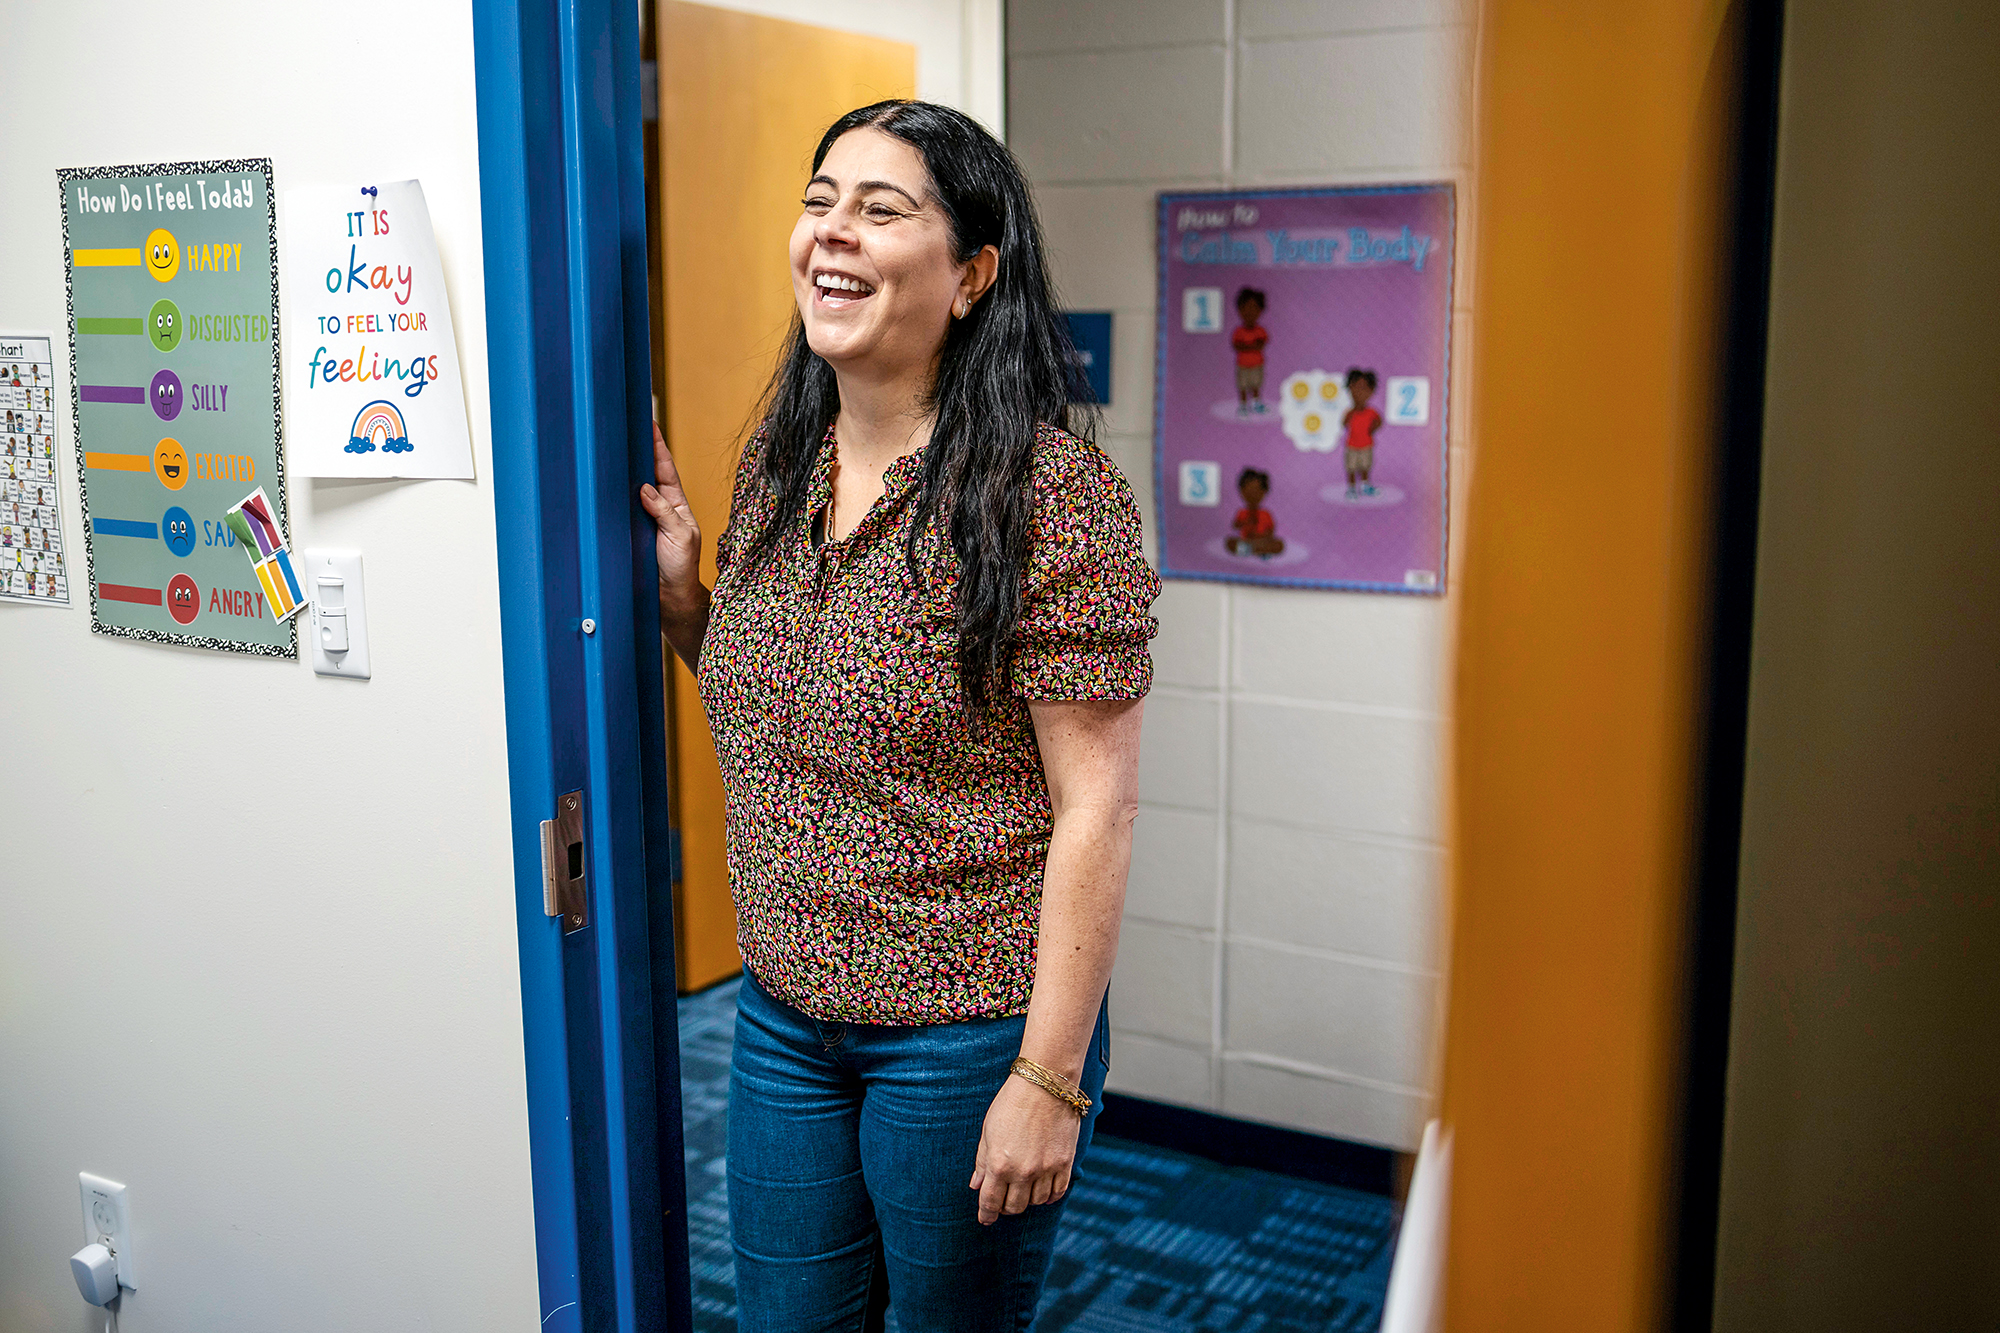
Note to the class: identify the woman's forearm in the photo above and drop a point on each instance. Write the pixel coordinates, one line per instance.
(684, 620)
(1083, 898)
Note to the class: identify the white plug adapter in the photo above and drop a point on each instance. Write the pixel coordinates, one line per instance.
(96, 1272)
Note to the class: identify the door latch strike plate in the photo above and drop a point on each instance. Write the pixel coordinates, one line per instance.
(563, 892)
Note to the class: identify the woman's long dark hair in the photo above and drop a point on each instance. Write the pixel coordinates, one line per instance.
(1006, 368)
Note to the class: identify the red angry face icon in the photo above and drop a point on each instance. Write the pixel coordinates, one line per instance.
(183, 599)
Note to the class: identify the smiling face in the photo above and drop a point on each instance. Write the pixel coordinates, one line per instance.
(170, 464)
(163, 325)
(162, 257)
(872, 263)
(165, 395)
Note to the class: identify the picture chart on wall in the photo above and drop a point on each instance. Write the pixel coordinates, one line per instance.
(173, 311)
(1304, 355)
(371, 370)
(34, 560)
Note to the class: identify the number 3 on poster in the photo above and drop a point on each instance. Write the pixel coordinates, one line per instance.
(1201, 484)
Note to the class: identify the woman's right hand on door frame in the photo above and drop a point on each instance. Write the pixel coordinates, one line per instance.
(677, 547)
(678, 541)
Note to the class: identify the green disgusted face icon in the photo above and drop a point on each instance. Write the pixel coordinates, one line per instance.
(163, 325)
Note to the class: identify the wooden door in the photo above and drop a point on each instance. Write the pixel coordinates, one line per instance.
(743, 101)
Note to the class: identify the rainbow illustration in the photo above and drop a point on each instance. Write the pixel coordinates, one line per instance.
(379, 425)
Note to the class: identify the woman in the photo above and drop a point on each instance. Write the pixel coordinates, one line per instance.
(923, 664)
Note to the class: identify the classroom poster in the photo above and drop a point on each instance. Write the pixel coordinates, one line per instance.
(371, 372)
(34, 559)
(173, 313)
(1304, 354)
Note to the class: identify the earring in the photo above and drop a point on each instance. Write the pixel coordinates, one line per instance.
(958, 311)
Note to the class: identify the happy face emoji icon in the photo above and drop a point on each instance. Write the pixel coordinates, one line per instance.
(162, 257)
(165, 395)
(163, 325)
(183, 599)
(170, 464)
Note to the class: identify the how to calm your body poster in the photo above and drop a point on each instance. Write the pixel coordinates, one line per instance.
(172, 282)
(1304, 358)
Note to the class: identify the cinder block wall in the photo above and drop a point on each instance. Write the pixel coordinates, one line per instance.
(1282, 936)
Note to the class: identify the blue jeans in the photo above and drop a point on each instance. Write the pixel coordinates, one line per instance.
(849, 1141)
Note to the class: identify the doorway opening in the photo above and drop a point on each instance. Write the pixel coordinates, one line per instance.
(1184, 1209)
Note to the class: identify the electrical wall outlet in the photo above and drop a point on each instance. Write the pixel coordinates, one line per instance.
(107, 1221)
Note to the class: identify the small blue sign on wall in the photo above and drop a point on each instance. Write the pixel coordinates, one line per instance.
(1090, 330)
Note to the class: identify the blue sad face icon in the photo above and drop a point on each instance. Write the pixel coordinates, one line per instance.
(178, 530)
(165, 395)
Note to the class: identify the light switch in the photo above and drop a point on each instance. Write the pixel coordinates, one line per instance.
(338, 626)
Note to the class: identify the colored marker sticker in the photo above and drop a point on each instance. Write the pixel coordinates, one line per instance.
(281, 586)
(106, 325)
(183, 599)
(122, 592)
(125, 527)
(105, 258)
(253, 525)
(111, 393)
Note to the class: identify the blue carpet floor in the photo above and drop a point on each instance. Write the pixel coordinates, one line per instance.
(1152, 1241)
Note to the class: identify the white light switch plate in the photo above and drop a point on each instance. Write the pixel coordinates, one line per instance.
(323, 565)
(107, 1217)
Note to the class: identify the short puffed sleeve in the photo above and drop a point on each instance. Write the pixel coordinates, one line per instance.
(1085, 616)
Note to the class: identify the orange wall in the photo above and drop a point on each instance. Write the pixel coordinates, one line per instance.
(1577, 652)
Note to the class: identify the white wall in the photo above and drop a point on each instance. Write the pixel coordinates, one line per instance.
(959, 47)
(1280, 953)
(297, 1040)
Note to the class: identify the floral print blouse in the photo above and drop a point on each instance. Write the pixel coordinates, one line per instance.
(886, 853)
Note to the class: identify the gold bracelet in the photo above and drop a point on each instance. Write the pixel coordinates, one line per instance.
(1054, 1084)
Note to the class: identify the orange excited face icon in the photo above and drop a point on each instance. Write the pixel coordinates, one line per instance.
(170, 464)
(162, 256)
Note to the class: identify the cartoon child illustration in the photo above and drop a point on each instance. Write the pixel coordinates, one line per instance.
(1361, 421)
(1256, 532)
(1249, 340)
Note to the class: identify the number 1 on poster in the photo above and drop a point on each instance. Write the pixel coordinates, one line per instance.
(1201, 310)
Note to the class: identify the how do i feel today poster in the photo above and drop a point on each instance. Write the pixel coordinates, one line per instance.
(174, 382)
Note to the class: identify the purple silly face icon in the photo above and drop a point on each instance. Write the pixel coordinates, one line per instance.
(166, 395)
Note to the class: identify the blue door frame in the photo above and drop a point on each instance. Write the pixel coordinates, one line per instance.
(562, 187)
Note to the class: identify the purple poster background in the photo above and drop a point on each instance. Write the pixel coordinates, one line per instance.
(1352, 278)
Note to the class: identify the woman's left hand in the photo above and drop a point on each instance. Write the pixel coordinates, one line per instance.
(1026, 1149)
